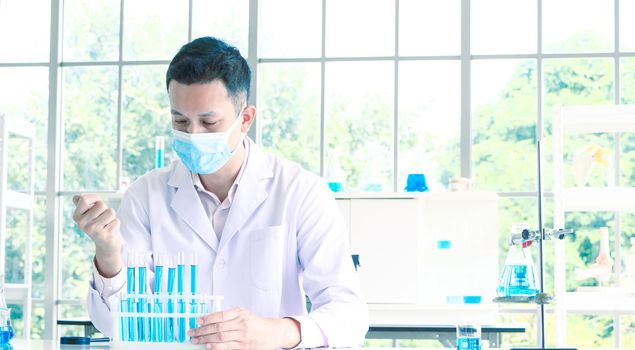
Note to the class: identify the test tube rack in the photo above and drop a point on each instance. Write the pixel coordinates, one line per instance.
(163, 322)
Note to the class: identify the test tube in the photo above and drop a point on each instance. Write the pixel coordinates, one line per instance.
(131, 280)
(193, 288)
(216, 307)
(169, 333)
(159, 150)
(159, 263)
(203, 304)
(180, 274)
(141, 304)
(123, 307)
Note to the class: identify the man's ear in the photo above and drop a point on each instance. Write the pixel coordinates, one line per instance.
(248, 115)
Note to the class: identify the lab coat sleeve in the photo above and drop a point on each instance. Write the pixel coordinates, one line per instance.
(339, 315)
(103, 293)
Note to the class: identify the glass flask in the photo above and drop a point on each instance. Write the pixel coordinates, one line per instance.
(518, 278)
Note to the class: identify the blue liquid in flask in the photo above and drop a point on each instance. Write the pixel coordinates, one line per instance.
(6, 333)
(518, 278)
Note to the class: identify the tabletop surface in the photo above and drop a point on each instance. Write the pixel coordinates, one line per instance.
(51, 345)
(54, 345)
(496, 328)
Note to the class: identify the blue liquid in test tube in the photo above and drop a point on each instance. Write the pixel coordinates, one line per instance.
(193, 284)
(131, 290)
(180, 272)
(141, 306)
(123, 307)
(169, 334)
(159, 151)
(157, 334)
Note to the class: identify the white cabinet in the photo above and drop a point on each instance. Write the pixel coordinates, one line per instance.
(459, 247)
(385, 234)
(345, 208)
(424, 248)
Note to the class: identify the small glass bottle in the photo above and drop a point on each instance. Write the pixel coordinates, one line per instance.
(468, 337)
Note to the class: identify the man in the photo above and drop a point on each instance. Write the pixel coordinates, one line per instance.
(265, 230)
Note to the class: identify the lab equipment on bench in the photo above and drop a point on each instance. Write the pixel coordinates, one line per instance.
(149, 316)
(468, 337)
(519, 276)
(527, 237)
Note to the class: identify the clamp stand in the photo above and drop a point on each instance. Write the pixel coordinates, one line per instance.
(539, 235)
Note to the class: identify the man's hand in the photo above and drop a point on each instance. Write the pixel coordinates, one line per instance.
(239, 329)
(100, 223)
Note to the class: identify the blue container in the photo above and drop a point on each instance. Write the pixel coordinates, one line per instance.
(472, 299)
(336, 186)
(416, 183)
(444, 244)
(454, 299)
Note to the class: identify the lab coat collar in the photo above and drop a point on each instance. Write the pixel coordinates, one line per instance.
(250, 194)
(186, 204)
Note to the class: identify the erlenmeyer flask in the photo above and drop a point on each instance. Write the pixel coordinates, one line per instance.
(6, 329)
(518, 278)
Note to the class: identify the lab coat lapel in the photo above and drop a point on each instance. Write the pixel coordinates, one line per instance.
(251, 192)
(188, 206)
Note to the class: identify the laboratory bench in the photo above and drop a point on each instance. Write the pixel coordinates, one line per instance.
(50, 345)
(445, 334)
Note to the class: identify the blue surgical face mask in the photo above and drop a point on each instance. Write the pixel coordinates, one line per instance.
(205, 153)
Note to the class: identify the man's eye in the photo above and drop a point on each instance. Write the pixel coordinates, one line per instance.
(180, 121)
(209, 123)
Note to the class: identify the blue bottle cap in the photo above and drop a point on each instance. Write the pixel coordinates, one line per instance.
(444, 244)
(416, 183)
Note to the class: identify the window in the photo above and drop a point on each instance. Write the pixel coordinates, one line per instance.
(368, 99)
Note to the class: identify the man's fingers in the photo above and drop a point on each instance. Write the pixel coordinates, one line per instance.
(105, 218)
(96, 211)
(113, 226)
(85, 202)
(221, 316)
(211, 328)
(87, 220)
(221, 337)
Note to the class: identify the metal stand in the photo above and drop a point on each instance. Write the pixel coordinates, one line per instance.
(540, 237)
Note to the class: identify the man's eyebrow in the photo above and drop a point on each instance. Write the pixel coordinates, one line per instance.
(208, 114)
(202, 115)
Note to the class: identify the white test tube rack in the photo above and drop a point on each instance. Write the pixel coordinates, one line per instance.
(154, 322)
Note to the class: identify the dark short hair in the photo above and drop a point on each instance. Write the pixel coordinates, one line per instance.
(206, 59)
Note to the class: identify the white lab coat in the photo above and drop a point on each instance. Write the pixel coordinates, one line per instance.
(284, 236)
